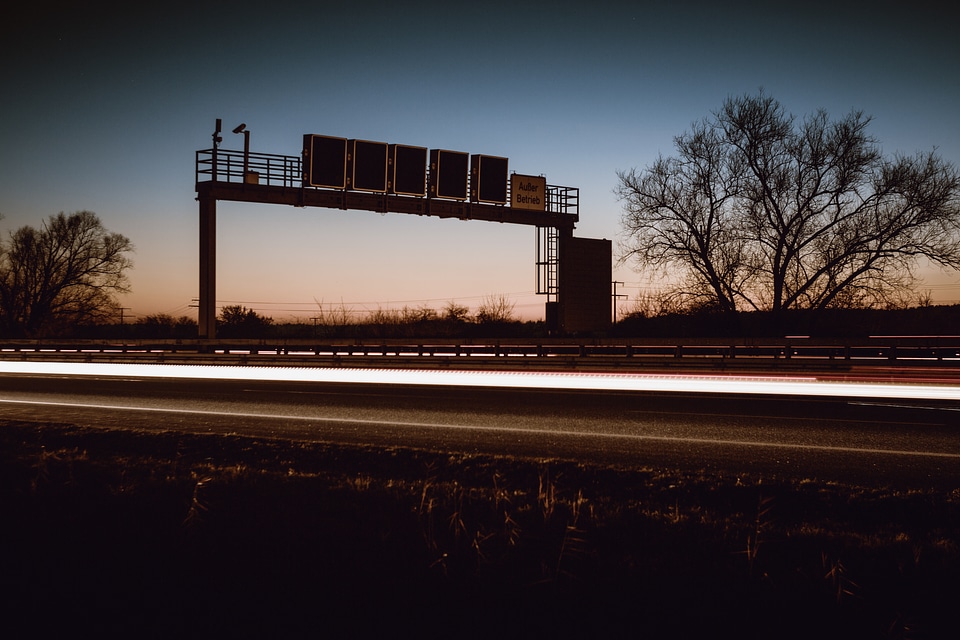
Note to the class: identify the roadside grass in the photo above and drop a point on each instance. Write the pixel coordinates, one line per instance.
(135, 534)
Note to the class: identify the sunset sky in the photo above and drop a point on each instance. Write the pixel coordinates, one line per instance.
(104, 109)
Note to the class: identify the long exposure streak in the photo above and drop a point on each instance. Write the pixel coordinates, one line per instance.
(722, 384)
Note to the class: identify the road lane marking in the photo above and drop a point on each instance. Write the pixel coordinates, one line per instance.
(914, 407)
(478, 428)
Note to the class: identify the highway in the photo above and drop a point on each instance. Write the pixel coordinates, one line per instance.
(860, 431)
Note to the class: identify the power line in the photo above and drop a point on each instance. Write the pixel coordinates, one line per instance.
(322, 302)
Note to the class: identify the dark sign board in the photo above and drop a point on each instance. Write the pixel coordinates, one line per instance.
(488, 179)
(448, 174)
(362, 165)
(368, 165)
(325, 161)
(408, 170)
(585, 274)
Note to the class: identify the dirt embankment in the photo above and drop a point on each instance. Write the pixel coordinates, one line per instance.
(120, 533)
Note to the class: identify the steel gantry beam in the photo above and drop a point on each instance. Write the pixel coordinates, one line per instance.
(381, 203)
(274, 179)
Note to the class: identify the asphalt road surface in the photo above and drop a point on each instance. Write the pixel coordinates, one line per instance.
(873, 442)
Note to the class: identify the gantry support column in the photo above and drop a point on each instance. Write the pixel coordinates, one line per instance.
(208, 265)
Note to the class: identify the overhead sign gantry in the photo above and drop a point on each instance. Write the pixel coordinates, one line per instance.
(364, 175)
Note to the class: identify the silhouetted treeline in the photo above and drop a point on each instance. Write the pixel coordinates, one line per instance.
(242, 323)
(824, 323)
(436, 328)
(153, 327)
(827, 323)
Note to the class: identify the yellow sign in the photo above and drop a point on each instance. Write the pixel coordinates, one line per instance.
(528, 192)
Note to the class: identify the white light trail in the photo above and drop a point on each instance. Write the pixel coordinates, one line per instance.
(589, 381)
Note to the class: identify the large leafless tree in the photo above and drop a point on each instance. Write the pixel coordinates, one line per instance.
(64, 273)
(758, 210)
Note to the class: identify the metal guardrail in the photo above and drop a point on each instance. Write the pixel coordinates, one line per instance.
(931, 351)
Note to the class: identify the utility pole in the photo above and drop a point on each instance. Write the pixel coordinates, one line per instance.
(122, 309)
(615, 296)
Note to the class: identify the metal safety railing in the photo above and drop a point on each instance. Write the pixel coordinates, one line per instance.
(224, 165)
(563, 199)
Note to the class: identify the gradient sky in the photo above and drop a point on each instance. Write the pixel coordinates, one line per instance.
(104, 109)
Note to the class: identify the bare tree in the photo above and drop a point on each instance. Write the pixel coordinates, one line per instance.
(760, 211)
(495, 309)
(65, 273)
(237, 321)
(455, 312)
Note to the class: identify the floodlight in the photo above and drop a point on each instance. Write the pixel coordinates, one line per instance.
(242, 128)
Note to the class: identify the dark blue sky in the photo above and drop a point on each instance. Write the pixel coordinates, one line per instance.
(103, 110)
